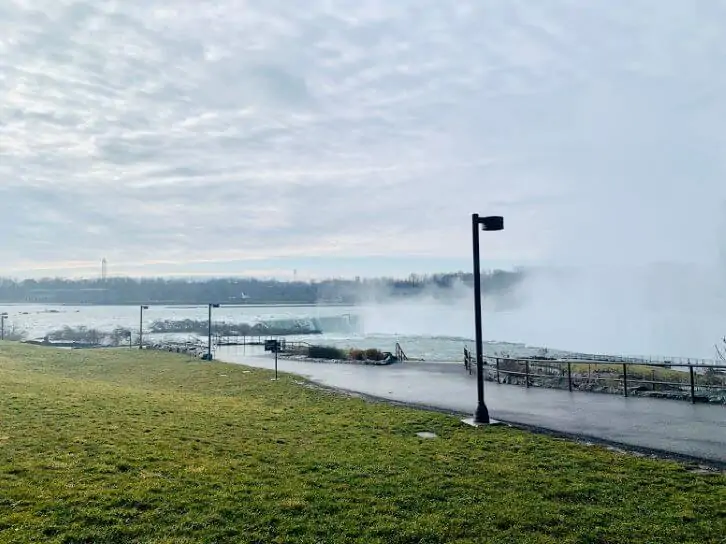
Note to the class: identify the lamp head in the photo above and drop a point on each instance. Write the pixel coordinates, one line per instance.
(492, 222)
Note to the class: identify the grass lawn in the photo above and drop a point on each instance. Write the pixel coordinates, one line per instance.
(129, 446)
(635, 372)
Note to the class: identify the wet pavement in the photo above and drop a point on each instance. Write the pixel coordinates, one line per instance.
(672, 426)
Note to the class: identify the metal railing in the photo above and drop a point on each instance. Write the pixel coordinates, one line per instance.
(468, 361)
(244, 340)
(400, 354)
(643, 359)
(694, 382)
(294, 347)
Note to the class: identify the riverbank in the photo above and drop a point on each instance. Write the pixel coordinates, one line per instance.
(151, 446)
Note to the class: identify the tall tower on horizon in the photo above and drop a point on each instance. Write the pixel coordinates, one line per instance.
(104, 269)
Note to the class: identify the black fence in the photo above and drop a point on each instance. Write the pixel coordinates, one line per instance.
(694, 382)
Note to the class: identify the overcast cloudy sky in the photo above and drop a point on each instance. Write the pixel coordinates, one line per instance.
(344, 137)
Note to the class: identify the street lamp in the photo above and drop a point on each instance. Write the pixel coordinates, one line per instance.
(141, 326)
(490, 223)
(209, 341)
(3, 317)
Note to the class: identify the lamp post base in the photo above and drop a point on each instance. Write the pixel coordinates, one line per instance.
(492, 423)
(481, 415)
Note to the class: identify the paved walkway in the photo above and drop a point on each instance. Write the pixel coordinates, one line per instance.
(672, 426)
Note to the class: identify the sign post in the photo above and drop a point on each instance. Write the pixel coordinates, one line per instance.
(273, 346)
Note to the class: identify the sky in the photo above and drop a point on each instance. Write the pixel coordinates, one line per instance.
(357, 137)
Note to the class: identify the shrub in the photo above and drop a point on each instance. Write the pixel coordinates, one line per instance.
(357, 355)
(373, 354)
(326, 352)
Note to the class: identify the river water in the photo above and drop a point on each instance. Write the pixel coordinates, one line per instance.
(381, 327)
(434, 331)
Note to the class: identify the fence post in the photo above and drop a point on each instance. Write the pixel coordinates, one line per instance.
(693, 385)
(569, 375)
(498, 371)
(625, 379)
(526, 375)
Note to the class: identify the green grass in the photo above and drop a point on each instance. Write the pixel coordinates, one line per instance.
(123, 446)
(635, 372)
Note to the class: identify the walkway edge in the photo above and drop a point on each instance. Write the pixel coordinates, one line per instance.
(574, 437)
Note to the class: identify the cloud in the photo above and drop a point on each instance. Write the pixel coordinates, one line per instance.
(162, 131)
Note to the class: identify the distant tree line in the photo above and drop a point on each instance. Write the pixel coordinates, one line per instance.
(241, 290)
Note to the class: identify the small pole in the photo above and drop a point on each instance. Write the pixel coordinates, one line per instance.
(693, 384)
(569, 375)
(141, 325)
(625, 379)
(526, 373)
(209, 335)
(276, 350)
(498, 370)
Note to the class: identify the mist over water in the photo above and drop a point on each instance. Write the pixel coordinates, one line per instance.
(654, 284)
(654, 310)
(658, 310)
(634, 264)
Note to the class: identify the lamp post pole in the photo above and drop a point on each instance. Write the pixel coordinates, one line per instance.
(209, 332)
(141, 326)
(3, 316)
(481, 415)
(209, 335)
